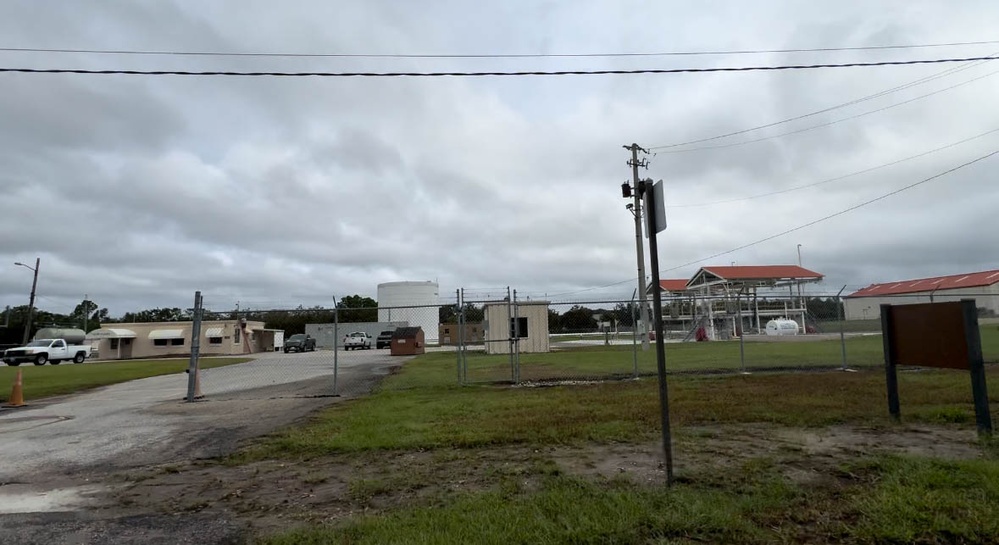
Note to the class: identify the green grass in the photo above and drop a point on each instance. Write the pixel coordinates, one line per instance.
(51, 380)
(921, 500)
(600, 361)
(408, 413)
(567, 510)
(882, 499)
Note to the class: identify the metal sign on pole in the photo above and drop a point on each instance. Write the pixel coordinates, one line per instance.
(653, 206)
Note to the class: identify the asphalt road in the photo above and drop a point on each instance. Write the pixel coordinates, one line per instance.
(58, 453)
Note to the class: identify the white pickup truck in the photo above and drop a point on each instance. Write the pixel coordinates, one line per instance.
(357, 339)
(40, 351)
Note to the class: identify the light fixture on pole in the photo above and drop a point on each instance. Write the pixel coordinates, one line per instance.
(31, 300)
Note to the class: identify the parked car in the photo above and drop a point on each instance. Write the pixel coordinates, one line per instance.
(384, 339)
(357, 339)
(299, 343)
(40, 351)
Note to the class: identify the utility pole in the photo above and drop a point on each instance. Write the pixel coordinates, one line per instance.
(31, 300)
(636, 206)
(86, 311)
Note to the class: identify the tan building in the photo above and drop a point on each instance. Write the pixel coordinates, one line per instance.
(532, 324)
(161, 339)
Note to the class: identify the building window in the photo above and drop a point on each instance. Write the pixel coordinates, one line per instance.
(521, 327)
(214, 340)
(114, 344)
(161, 342)
(177, 342)
(236, 335)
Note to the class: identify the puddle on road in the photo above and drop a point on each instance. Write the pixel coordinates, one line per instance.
(23, 498)
(27, 422)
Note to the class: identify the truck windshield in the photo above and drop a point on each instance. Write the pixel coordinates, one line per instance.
(40, 342)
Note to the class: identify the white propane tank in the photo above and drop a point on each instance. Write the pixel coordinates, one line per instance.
(782, 326)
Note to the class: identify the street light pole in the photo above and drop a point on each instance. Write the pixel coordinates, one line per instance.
(31, 300)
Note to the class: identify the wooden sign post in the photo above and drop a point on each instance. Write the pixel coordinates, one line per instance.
(936, 335)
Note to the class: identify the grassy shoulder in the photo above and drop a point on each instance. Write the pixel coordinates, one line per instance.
(409, 412)
(736, 494)
(51, 380)
(878, 499)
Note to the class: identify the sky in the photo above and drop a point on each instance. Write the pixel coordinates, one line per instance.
(136, 191)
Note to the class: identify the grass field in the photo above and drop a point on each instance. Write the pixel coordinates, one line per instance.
(426, 461)
(602, 361)
(50, 380)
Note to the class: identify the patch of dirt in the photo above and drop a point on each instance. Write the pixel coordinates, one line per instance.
(275, 496)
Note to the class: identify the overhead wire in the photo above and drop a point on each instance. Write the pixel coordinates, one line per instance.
(490, 73)
(837, 178)
(879, 94)
(839, 213)
(486, 55)
(829, 123)
(806, 225)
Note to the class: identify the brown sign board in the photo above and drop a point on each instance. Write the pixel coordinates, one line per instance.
(929, 335)
(936, 335)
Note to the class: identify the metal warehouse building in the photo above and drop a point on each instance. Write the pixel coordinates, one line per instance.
(983, 287)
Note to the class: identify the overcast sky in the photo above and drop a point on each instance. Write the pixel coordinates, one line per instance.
(274, 192)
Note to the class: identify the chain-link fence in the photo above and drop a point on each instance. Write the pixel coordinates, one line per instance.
(547, 341)
(499, 336)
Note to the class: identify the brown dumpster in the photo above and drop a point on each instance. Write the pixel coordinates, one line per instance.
(407, 341)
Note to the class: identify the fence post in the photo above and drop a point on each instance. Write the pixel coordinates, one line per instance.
(634, 335)
(741, 331)
(509, 323)
(516, 338)
(842, 334)
(461, 327)
(192, 368)
(336, 343)
(463, 352)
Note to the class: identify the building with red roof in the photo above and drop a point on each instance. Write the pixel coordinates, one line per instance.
(983, 287)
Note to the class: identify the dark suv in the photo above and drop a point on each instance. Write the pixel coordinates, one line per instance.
(384, 339)
(299, 343)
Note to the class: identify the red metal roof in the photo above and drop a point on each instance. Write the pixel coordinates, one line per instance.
(762, 272)
(675, 284)
(971, 280)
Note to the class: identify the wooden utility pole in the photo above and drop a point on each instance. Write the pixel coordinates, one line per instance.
(643, 306)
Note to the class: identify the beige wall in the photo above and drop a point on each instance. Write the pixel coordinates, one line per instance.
(497, 327)
(248, 340)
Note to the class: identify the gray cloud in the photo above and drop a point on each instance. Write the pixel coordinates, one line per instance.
(279, 192)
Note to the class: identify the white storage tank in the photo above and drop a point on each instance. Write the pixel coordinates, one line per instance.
(782, 326)
(393, 297)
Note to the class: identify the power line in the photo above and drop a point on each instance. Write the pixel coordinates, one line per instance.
(499, 73)
(839, 213)
(829, 123)
(484, 55)
(805, 225)
(873, 96)
(837, 178)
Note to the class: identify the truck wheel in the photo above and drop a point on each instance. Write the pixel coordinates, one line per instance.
(14, 363)
(80, 356)
(41, 359)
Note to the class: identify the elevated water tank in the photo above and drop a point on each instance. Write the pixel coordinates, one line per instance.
(417, 303)
(781, 327)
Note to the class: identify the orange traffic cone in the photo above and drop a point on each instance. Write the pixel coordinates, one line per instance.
(17, 393)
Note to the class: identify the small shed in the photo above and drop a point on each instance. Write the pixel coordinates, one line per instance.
(408, 341)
